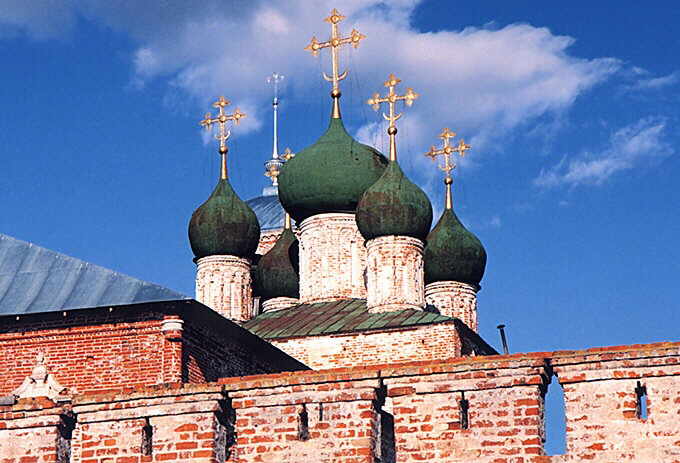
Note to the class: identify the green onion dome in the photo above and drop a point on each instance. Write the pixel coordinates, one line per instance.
(453, 253)
(224, 225)
(394, 205)
(329, 176)
(277, 271)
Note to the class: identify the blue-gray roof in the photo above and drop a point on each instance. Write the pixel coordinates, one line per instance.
(268, 210)
(34, 279)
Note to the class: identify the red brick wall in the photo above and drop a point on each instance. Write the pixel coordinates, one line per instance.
(428, 342)
(344, 406)
(88, 353)
(97, 349)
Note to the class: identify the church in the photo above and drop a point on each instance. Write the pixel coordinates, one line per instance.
(334, 320)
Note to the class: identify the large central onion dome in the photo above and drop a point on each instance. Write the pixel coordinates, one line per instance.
(329, 176)
(453, 253)
(394, 205)
(224, 225)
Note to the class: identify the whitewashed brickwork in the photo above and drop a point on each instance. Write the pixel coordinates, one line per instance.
(428, 342)
(278, 303)
(332, 258)
(224, 284)
(394, 274)
(454, 299)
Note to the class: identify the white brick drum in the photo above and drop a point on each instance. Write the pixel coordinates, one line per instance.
(454, 299)
(332, 258)
(224, 284)
(395, 278)
(278, 303)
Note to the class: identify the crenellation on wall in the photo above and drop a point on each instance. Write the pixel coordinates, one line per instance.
(410, 412)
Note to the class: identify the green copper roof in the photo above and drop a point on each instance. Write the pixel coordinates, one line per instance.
(224, 225)
(394, 205)
(277, 271)
(453, 253)
(329, 176)
(322, 318)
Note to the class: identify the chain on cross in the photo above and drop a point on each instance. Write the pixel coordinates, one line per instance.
(222, 120)
(335, 42)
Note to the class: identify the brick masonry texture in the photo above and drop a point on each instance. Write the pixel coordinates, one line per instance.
(394, 274)
(278, 303)
(268, 240)
(224, 284)
(126, 347)
(454, 299)
(332, 259)
(403, 413)
(427, 342)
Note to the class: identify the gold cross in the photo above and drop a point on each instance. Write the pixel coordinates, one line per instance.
(447, 150)
(224, 133)
(391, 99)
(334, 43)
(288, 154)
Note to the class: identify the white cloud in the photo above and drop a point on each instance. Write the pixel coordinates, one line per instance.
(628, 147)
(483, 83)
(654, 83)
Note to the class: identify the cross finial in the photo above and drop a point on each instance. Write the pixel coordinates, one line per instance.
(446, 151)
(288, 154)
(391, 99)
(223, 135)
(335, 42)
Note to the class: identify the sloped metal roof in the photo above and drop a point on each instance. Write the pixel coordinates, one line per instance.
(268, 210)
(345, 316)
(34, 279)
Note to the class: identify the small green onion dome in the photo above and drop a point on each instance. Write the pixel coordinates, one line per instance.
(224, 225)
(453, 253)
(394, 205)
(329, 176)
(277, 271)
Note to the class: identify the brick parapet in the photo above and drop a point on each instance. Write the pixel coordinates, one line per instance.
(395, 277)
(343, 408)
(332, 258)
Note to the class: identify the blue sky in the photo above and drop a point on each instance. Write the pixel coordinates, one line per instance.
(571, 110)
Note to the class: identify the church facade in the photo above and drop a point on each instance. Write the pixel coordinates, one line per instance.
(331, 323)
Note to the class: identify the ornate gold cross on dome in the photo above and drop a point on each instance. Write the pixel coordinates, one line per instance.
(391, 99)
(334, 43)
(447, 150)
(221, 119)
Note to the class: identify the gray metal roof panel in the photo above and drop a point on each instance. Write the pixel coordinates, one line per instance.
(34, 279)
(268, 210)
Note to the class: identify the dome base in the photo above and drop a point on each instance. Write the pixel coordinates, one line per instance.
(454, 299)
(278, 303)
(224, 284)
(394, 274)
(332, 258)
